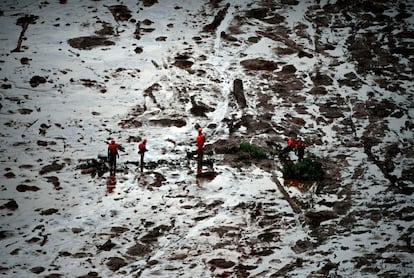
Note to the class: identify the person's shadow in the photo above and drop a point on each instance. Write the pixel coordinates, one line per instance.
(110, 183)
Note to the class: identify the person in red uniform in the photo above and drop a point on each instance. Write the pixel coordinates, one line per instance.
(290, 147)
(290, 144)
(300, 148)
(200, 140)
(112, 155)
(142, 148)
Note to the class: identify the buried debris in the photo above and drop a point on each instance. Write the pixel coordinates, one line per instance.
(307, 169)
(94, 166)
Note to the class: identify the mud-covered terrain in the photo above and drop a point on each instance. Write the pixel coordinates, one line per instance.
(76, 74)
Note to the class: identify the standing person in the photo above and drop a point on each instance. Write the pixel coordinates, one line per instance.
(142, 148)
(300, 148)
(290, 146)
(112, 155)
(200, 140)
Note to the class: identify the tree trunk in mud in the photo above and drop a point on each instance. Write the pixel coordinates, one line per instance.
(239, 93)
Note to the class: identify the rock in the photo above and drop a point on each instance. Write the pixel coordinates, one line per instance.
(302, 246)
(258, 64)
(37, 269)
(107, 246)
(77, 230)
(321, 80)
(139, 250)
(317, 217)
(25, 111)
(169, 122)
(288, 69)
(51, 168)
(258, 13)
(217, 20)
(149, 3)
(49, 211)
(199, 109)
(11, 205)
(55, 181)
(24, 188)
(221, 263)
(89, 42)
(10, 175)
(91, 274)
(37, 80)
(115, 263)
(120, 12)
(183, 64)
(119, 230)
(318, 90)
(25, 60)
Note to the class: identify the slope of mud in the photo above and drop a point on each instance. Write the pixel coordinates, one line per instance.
(339, 75)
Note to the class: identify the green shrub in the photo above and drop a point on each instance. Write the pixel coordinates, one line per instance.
(308, 169)
(252, 151)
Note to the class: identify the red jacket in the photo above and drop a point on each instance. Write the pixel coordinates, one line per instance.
(142, 147)
(113, 148)
(201, 138)
(290, 142)
(299, 144)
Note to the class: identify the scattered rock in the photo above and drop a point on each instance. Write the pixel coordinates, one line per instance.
(107, 246)
(258, 13)
(169, 122)
(119, 230)
(55, 181)
(221, 263)
(37, 269)
(77, 230)
(318, 90)
(217, 20)
(49, 211)
(138, 50)
(120, 12)
(37, 80)
(115, 263)
(25, 111)
(25, 60)
(199, 109)
(302, 246)
(149, 3)
(91, 274)
(317, 217)
(54, 167)
(24, 188)
(89, 42)
(11, 205)
(10, 175)
(139, 250)
(288, 69)
(258, 64)
(321, 79)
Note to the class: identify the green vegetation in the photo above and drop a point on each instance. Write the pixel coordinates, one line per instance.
(249, 151)
(308, 169)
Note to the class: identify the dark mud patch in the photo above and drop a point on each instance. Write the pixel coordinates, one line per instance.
(169, 122)
(120, 12)
(10, 205)
(259, 64)
(54, 167)
(89, 42)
